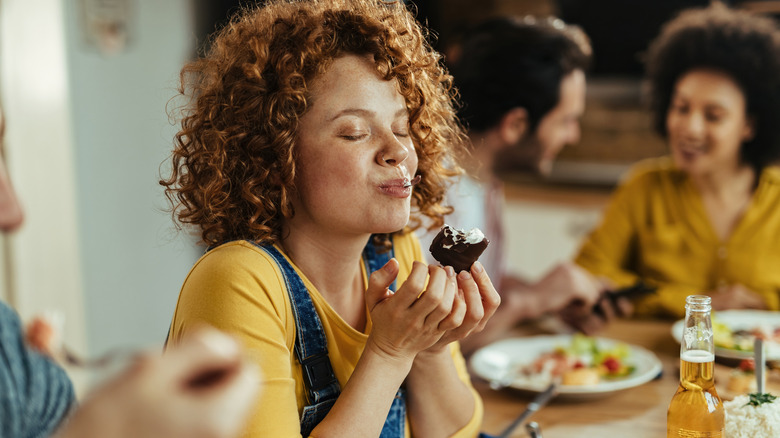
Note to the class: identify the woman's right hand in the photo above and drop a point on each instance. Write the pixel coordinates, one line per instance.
(409, 320)
(567, 284)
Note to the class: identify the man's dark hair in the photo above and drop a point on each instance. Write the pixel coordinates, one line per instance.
(745, 47)
(512, 62)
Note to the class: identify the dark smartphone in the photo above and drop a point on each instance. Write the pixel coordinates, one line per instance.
(639, 289)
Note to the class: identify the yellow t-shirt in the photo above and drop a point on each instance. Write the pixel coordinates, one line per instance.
(239, 289)
(655, 228)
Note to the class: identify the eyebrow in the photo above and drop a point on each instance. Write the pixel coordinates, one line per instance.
(363, 113)
(707, 105)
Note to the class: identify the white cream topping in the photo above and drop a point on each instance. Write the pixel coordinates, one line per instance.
(471, 236)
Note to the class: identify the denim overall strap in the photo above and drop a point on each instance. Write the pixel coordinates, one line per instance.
(310, 340)
(310, 344)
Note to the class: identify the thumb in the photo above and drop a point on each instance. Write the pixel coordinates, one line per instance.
(205, 360)
(379, 282)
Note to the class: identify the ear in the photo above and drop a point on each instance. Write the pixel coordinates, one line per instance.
(513, 125)
(749, 131)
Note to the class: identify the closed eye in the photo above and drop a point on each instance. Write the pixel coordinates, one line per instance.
(354, 137)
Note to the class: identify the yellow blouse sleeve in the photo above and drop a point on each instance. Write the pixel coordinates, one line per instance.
(607, 250)
(236, 289)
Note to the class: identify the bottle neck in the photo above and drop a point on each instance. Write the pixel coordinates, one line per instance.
(697, 332)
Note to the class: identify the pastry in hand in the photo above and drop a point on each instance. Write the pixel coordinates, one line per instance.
(458, 248)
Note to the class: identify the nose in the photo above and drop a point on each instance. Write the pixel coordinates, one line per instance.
(393, 152)
(692, 125)
(11, 215)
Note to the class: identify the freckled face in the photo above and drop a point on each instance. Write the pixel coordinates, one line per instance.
(707, 122)
(354, 153)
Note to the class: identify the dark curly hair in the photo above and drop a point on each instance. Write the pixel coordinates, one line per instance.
(744, 46)
(234, 160)
(510, 62)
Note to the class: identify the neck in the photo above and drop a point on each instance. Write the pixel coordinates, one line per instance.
(483, 154)
(331, 263)
(726, 183)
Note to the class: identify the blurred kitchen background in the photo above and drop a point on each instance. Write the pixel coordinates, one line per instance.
(85, 86)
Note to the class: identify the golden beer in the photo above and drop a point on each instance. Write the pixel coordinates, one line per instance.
(696, 410)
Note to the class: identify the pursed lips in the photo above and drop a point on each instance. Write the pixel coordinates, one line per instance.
(398, 188)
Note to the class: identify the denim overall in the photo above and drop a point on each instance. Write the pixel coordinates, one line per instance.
(311, 348)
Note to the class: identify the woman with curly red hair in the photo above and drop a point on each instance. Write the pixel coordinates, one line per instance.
(316, 136)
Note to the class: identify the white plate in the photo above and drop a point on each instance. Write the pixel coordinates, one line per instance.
(493, 361)
(740, 320)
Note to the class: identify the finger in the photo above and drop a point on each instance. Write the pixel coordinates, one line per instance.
(241, 388)
(475, 311)
(625, 307)
(414, 285)
(379, 281)
(442, 313)
(432, 302)
(756, 304)
(230, 406)
(489, 296)
(457, 315)
(591, 325)
(205, 359)
(601, 309)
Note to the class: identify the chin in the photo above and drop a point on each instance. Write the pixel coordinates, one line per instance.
(390, 224)
(688, 166)
(544, 167)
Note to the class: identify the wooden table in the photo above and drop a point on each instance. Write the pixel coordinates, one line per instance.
(637, 412)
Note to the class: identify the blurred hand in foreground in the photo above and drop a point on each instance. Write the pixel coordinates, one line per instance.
(201, 388)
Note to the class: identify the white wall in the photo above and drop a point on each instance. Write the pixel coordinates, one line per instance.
(541, 235)
(133, 262)
(42, 265)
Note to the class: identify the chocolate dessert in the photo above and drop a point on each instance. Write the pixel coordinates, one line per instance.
(458, 248)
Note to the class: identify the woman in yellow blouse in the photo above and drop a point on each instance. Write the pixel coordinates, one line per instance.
(314, 129)
(707, 218)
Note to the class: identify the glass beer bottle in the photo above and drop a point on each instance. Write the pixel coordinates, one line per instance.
(696, 409)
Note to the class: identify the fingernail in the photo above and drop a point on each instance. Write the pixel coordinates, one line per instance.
(450, 271)
(464, 275)
(219, 343)
(477, 266)
(389, 266)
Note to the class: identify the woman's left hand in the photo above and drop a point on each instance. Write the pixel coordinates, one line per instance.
(474, 305)
(737, 296)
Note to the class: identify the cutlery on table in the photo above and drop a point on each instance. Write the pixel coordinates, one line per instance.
(759, 364)
(537, 403)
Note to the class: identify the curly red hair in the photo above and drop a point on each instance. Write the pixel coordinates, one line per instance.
(233, 164)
